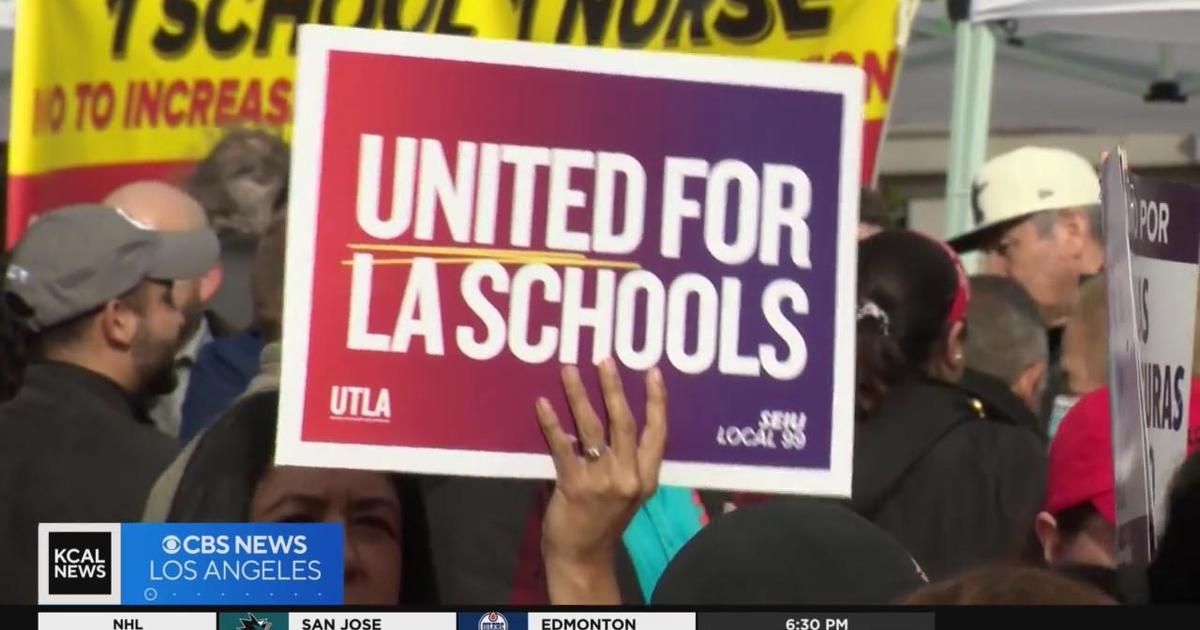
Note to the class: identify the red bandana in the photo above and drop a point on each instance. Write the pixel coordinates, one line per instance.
(962, 295)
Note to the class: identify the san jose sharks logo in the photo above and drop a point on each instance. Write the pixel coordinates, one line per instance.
(253, 621)
(250, 622)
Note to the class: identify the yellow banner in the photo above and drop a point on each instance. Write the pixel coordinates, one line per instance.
(101, 83)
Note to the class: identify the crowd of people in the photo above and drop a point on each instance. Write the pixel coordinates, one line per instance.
(139, 373)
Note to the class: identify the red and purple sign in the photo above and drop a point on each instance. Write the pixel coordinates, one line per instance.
(468, 216)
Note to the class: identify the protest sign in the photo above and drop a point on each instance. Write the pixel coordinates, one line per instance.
(1165, 243)
(1153, 248)
(151, 86)
(1124, 375)
(444, 259)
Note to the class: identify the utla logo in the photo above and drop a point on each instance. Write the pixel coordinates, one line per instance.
(364, 404)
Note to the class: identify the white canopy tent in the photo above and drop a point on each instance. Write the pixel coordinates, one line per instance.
(1036, 31)
(1050, 84)
(1173, 21)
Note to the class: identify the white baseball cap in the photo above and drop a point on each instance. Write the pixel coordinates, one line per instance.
(1017, 184)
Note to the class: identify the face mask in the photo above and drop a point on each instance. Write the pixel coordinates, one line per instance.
(1062, 404)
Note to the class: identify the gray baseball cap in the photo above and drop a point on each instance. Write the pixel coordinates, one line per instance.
(73, 260)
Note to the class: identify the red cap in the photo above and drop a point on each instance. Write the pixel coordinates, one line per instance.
(1081, 458)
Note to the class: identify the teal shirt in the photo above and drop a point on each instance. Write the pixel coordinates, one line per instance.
(663, 525)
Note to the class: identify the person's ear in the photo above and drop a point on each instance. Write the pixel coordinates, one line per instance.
(1046, 528)
(210, 283)
(955, 358)
(119, 323)
(1028, 385)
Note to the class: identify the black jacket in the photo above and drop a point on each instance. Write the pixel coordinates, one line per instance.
(1056, 378)
(475, 529)
(999, 403)
(485, 539)
(954, 489)
(74, 447)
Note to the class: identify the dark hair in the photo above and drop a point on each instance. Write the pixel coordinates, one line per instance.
(1113, 582)
(233, 455)
(1070, 523)
(266, 279)
(913, 281)
(283, 197)
(1175, 572)
(15, 341)
(873, 209)
(250, 155)
(1020, 586)
(1007, 334)
(1073, 521)
(20, 344)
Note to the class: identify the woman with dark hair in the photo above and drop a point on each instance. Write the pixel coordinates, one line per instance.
(229, 477)
(15, 339)
(955, 490)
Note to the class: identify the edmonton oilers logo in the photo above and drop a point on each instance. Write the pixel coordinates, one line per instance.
(493, 621)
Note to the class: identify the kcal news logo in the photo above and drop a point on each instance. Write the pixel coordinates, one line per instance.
(189, 564)
(78, 563)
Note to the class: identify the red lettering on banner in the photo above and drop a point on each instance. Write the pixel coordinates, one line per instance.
(172, 115)
(195, 103)
(147, 103)
(252, 102)
(880, 78)
(103, 103)
(202, 95)
(170, 103)
(843, 57)
(49, 109)
(281, 96)
(82, 93)
(226, 103)
(129, 94)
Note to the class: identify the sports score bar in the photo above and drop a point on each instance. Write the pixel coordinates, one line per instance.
(482, 620)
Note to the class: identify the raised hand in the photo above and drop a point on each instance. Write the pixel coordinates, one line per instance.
(600, 485)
